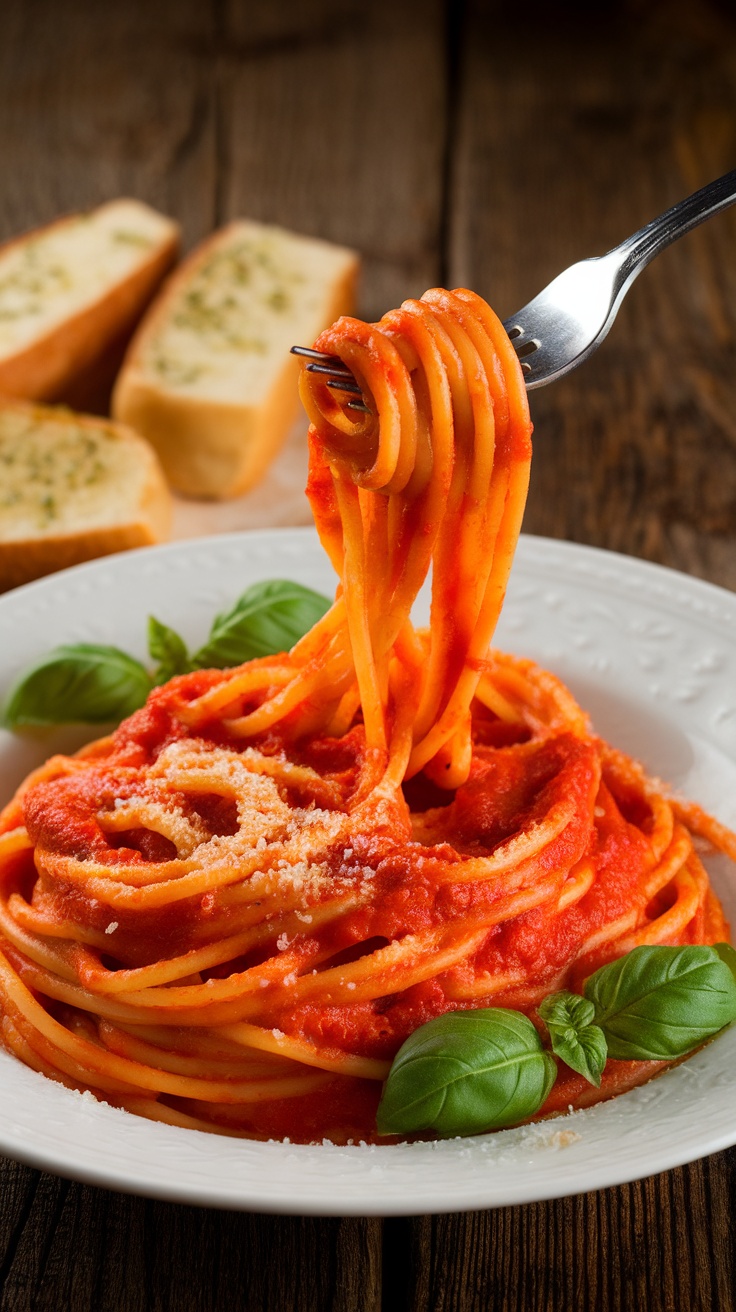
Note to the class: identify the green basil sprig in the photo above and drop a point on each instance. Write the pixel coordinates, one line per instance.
(727, 954)
(654, 1004)
(168, 650)
(574, 1036)
(658, 1003)
(269, 617)
(470, 1071)
(79, 684)
(466, 1072)
(84, 683)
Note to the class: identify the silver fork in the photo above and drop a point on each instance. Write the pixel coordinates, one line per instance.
(567, 321)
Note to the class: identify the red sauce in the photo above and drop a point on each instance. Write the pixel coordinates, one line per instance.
(515, 784)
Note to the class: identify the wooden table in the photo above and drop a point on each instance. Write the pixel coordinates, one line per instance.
(464, 143)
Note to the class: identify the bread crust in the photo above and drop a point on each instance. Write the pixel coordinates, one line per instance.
(32, 557)
(211, 449)
(54, 361)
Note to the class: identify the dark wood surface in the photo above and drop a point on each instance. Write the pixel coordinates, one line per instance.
(454, 142)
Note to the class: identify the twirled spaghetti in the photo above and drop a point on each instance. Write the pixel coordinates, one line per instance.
(230, 914)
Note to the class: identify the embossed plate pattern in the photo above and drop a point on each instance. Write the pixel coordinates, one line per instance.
(650, 653)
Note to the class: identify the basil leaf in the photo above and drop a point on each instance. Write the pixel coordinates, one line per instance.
(657, 1003)
(727, 954)
(574, 1038)
(78, 684)
(466, 1072)
(168, 650)
(270, 617)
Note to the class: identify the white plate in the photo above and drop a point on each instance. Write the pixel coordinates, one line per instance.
(650, 653)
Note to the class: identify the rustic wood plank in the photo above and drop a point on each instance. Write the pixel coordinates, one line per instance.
(570, 139)
(613, 1251)
(64, 1245)
(102, 101)
(335, 118)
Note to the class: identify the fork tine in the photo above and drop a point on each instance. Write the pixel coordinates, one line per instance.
(338, 377)
(311, 354)
(338, 370)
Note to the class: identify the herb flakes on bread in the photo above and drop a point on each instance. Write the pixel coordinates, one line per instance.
(72, 290)
(73, 487)
(208, 378)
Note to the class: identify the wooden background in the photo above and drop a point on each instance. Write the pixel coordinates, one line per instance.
(456, 142)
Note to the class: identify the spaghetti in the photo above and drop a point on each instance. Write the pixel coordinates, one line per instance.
(230, 914)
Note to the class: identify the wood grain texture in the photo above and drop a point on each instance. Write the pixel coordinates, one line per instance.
(101, 101)
(66, 1246)
(455, 141)
(335, 121)
(567, 142)
(658, 1243)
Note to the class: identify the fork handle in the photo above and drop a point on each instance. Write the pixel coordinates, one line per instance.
(637, 251)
